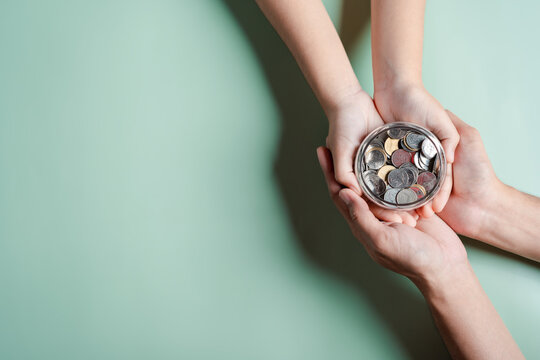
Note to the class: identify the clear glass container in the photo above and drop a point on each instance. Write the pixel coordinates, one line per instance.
(438, 167)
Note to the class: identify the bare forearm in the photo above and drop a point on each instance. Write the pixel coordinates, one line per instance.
(466, 318)
(306, 28)
(513, 222)
(397, 31)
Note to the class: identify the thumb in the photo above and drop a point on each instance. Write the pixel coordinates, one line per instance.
(449, 136)
(360, 217)
(343, 156)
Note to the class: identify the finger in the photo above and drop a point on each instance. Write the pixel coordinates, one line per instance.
(444, 194)
(426, 211)
(343, 156)
(360, 216)
(458, 123)
(449, 136)
(437, 228)
(325, 160)
(396, 216)
(408, 218)
(385, 214)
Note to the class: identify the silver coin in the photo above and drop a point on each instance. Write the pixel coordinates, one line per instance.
(402, 146)
(414, 140)
(375, 159)
(390, 195)
(375, 144)
(406, 196)
(411, 179)
(428, 149)
(417, 162)
(381, 138)
(396, 133)
(411, 167)
(398, 178)
(424, 160)
(374, 182)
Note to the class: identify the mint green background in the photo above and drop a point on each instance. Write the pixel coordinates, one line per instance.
(160, 196)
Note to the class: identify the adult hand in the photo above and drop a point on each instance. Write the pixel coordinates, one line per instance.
(410, 102)
(429, 251)
(350, 122)
(475, 183)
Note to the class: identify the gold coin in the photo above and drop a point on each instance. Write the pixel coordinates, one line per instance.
(391, 145)
(383, 172)
(418, 186)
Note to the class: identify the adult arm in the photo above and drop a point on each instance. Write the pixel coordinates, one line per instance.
(483, 207)
(433, 257)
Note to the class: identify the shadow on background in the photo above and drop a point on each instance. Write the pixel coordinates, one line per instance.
(322, 234)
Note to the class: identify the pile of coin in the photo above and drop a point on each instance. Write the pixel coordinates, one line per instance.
(400, 166)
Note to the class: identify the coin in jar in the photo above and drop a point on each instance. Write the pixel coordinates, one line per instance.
(419, 190)
(374, 182)
(375, 158)
(428, 149)
(413, 140)
(391, 145)
(413, 169)
(428, 180)
(400, 157)
(406, 196)
(383, 172)
(398, 178)
(416, 161)
(390, 195)
(411, 178)
(396, 133)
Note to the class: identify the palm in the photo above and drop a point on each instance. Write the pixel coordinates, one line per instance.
(414, 104)
(428, 248)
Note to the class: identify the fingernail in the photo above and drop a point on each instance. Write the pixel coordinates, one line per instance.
(345, 198)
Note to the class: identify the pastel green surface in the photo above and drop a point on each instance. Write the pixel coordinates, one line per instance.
(160, 196)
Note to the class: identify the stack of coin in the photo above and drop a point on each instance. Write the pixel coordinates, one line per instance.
(400, 165)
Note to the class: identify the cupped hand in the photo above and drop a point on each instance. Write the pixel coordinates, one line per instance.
(429, 251)
(350, 122)
(412, 103)
(475, 183)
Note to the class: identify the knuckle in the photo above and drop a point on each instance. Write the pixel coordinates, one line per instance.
(354, 215)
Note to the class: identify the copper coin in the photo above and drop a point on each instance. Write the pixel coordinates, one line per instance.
(427, 180)
(419, 193)
(400, 157)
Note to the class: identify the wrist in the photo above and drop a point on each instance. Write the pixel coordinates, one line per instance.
(396, 82)
(442, 285)
(511, 222)
(353, 99)
(335, 100)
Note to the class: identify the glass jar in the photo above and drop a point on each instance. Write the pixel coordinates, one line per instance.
(424, 158)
